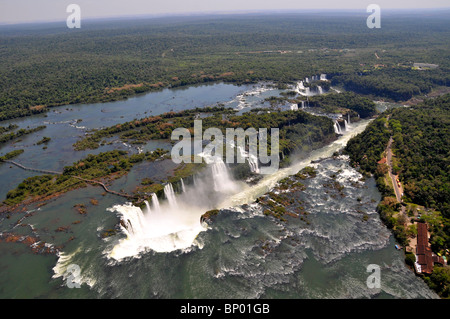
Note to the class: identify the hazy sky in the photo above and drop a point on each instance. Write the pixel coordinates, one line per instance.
(16, 11)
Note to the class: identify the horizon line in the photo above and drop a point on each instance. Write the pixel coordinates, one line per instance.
(225, 13)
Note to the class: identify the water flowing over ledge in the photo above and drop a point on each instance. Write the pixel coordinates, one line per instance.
(174, 223)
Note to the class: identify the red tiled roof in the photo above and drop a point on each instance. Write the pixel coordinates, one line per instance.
(424, 255)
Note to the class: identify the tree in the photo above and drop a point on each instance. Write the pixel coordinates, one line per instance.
(440, 280)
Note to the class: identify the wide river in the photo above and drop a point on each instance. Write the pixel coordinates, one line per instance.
(243, 254)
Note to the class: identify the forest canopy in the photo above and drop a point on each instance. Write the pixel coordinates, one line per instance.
(106, 61)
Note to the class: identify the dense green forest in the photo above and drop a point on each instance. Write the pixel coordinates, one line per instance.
(52, 65)
(421, 143)
(395, 83)
(335, 102)
(365, 149)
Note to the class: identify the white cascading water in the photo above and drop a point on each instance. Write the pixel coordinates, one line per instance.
(174, 223)
(323, 77)
(155, 203)
(345, 125)
(307, 92)
(194, 178)
(170, 195)
(183, 188)
(251, 159)
(253, 163)
(337, 128)
(163, 231)
(300, 85)
(148, 207)
(221, 177)
(294, 107)
(320, 89)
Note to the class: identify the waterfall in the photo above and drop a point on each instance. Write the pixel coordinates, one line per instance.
(221, 177)
(182, 186)
(179, 228)
(320, 89)
(294, 107)
(252, 160)
(170, 195)
(148, 206)
(348, 116)
(306, 80)
(253, 163)
(337, 128)
(195, 180)
(155, 202)
(303, 104)
(301, 86)
(323, 77)
(133, 223)
(345, 125)
(174, 223)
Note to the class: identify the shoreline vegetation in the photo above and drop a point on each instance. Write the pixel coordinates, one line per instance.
(420, 146)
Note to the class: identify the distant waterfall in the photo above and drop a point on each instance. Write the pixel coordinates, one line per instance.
(320, 89)
(337, 128)
(148, 206)
(294, 107)
(155, 203)
(348, 115)
(182, 186)
(221, 177)
(306, 91)
(323, 77)
(345, 125)
(194, 178)
(170, 195)
(303, 104)
(253, 163)
(252, 160)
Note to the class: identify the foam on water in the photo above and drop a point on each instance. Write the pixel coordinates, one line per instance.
(173, 229)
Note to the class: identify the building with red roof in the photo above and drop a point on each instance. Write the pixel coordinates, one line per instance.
(425, 258)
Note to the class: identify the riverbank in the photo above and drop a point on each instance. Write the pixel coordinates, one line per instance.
(413, 185)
